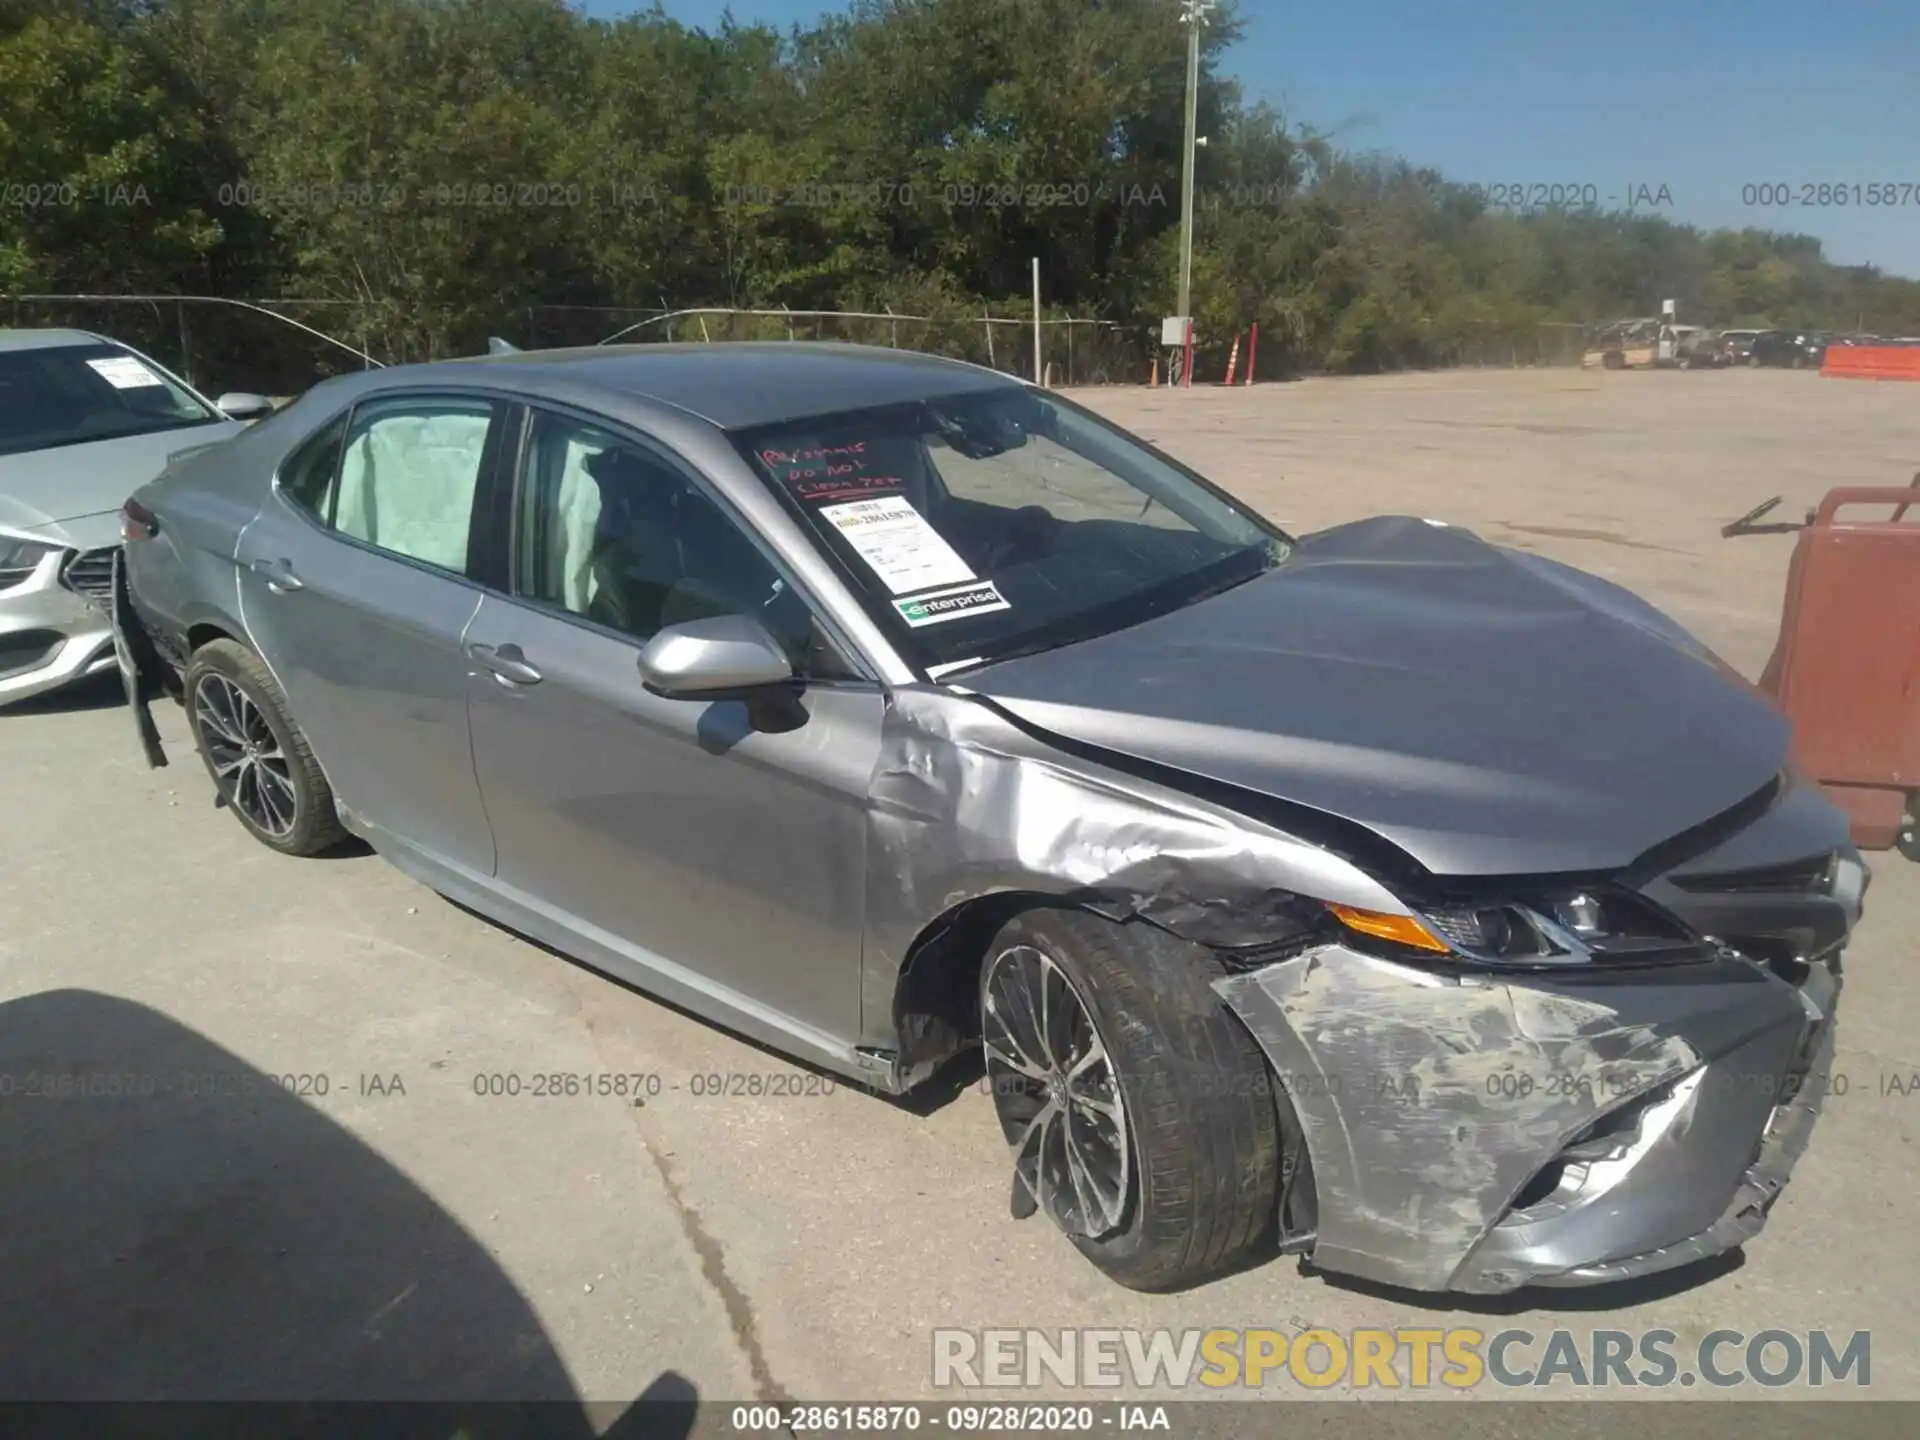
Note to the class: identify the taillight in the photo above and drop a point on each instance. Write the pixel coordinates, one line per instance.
(137, 522)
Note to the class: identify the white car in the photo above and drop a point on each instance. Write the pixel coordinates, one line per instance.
(84, 422)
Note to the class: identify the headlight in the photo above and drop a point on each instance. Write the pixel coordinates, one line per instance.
(1569, 926)
(20, 558)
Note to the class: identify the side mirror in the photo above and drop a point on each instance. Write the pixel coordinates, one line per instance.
(243, 405)
(713, 659)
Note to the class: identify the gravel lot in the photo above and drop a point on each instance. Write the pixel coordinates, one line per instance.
(402, 1235)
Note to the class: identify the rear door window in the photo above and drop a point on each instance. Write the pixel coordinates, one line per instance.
(402, 475)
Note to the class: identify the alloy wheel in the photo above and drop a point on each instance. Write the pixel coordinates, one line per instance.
(249, 764)
(1057, 1094)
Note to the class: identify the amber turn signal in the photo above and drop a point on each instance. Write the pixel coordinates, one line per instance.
(1401, 929)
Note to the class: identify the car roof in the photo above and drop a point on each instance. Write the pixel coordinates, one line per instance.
(49, 339)
(733, 385)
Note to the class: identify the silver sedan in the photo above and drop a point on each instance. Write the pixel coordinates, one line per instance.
(83, 421)
(1380, 895)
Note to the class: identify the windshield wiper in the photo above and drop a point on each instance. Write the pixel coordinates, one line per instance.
(1133, 610)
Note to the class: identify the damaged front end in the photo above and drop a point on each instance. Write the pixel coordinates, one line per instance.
(1480, 1133)
(1594, 1107)
(1565, 1080)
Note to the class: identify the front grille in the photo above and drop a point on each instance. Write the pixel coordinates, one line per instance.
(1796, 877)
(90, 573)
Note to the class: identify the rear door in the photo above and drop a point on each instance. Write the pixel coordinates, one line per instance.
(356, 585)
(708, 851)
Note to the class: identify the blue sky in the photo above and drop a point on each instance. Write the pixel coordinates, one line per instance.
(1703, 97)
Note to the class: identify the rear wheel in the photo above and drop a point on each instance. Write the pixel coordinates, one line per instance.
(1141, 1115)
(259, 760)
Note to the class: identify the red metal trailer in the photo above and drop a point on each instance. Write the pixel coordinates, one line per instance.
(1846, 667)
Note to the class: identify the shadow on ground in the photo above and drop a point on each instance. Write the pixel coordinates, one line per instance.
(179, 1227)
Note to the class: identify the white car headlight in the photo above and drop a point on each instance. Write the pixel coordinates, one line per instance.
(20, 558)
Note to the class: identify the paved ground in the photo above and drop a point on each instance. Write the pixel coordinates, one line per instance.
(400, 1234)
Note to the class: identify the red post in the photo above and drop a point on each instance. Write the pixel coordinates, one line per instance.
(1253, 344)
(1186, 365)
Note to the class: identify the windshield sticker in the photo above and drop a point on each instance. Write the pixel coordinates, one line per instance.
(123, 372)
(828, 472)
(819, 488)
(897, 543)
(955, 604)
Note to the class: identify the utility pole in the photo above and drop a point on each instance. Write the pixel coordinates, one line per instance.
(1193, 16)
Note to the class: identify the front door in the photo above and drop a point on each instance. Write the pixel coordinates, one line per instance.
(353, 585)
(708, 851)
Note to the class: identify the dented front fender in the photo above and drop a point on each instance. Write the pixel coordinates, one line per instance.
(964, 805)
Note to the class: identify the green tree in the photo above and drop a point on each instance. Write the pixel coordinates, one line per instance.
(451, 169)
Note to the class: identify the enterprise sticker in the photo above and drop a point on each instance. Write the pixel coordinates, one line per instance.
(953, 604)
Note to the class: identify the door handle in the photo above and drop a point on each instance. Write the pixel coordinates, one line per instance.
(505, 661)
(278, 574)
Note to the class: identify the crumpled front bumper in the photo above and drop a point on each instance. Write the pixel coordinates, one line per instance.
(1439, 1111)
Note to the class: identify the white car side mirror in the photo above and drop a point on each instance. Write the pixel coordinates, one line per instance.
(243, 405)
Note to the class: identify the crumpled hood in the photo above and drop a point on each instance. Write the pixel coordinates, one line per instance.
(43, 488)
(1487, 711)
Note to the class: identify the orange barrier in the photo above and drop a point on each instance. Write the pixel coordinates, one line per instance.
(1872, 362)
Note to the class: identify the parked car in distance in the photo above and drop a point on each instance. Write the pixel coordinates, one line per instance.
(1790, 349)
(1623, 345)
(1738, 344)
(83, 421)
(1694, 347)
(885, 708)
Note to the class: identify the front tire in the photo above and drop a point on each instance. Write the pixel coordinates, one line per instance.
(1141, 1114)
(258, 759)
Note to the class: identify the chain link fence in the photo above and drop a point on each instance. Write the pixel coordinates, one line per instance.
(279, 346)
(284, 344)
(1073, 351)
(1523, 346)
